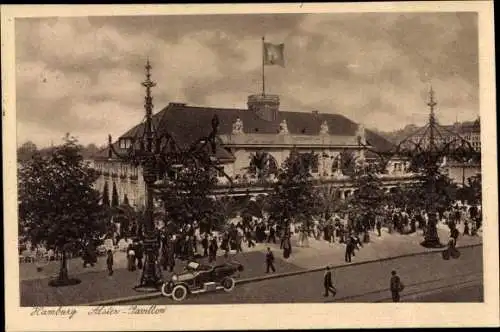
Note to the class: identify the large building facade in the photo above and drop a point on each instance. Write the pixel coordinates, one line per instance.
(261, 130)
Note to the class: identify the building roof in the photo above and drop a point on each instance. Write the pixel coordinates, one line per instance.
(189, 123)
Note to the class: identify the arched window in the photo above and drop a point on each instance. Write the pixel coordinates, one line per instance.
(262, 164)
(272, 165)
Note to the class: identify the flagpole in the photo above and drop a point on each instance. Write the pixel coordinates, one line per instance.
(263, 65)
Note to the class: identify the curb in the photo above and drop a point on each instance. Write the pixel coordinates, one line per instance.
(156, 294)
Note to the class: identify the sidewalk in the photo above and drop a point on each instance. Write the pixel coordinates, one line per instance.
(321, 253)
(97, 286)
(27, 271)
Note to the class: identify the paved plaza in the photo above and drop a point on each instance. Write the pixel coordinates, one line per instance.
(97, 286)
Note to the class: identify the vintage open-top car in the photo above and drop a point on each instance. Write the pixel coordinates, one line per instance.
(198, 278)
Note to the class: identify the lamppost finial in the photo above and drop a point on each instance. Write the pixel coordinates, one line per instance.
(432, 103)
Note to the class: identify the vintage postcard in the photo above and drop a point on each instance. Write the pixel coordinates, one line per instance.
(270, 166)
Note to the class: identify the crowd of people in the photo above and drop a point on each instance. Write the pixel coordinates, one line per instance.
(347, 229)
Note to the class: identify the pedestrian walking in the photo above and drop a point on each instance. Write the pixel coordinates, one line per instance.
(269, 261)
(225, 245)
(109, 262)
(249, 238)
(131, 257)
(212, 250)
(454, 234)
(349, 249)
(396, 286)
(466, 228)
(139, 253)
(272, 234)
(379, 227)
(328, 283)
(239, 241)
(188, 248)
(204, 244)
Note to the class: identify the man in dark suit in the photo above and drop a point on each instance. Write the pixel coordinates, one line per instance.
(139, 253)
(328, 283)
(269, 261)
(349, 249)
(205, 244)
(212, 250)
(396, 286)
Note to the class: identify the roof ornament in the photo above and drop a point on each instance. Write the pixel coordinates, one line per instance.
(238, 127)
(324, 128)
(361, 134)
(283, 127)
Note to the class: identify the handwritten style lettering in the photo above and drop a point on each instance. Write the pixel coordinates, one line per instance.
(54, 312)
(104, 310)
(149, 310)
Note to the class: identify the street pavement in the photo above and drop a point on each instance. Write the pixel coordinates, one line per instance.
(97, 286)
(469, 293)
(357, 283)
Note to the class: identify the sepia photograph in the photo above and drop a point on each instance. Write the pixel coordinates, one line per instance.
(221, 165)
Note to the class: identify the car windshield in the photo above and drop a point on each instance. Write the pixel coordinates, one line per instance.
(193, 265)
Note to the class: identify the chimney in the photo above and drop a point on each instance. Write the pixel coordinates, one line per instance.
(265, 106)
(176, 104)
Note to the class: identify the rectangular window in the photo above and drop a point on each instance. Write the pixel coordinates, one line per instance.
(315, 165)
(124, 143)
(220, 172)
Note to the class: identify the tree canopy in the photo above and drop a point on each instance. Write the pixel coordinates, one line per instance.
(57, 202)
(114, 196)
(293, 196)
(26, 151)
(187, 195)
(369, 195)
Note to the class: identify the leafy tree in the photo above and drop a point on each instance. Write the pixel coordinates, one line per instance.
(328, 201)
(187, 196)
(471, 191)
(105, 195)
(57, 202)
(434, 191)
(125, 200)
(114, 197)
(475, 189)
(90, 150)
(226, 208)
(368, 198)
(293, 196)
(26, 151)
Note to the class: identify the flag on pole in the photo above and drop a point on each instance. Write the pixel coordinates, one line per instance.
(274, 54)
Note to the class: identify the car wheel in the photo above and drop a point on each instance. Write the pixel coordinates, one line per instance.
(179, 293)
(166, 289)
(228, 284)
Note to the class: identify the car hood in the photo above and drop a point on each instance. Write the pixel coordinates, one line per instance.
(185, 276)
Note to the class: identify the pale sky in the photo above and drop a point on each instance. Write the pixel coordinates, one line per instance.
(82, 75)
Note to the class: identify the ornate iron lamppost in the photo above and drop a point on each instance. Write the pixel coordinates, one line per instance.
(427, 150)
(158, 154)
